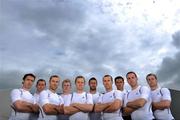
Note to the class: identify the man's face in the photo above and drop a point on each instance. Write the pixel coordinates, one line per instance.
(132, 79)
(53, 83)
(28, 82)
(119, 84)
(152, 81)
(80, 84)
(107, 83)
(93, 84)
(66, 87)
(40, 86)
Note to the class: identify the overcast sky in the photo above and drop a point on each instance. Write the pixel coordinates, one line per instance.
(89, 38)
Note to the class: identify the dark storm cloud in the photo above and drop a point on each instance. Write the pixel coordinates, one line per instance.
(176, 39)
(169, 72)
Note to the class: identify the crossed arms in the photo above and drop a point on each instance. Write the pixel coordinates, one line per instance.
(163, 104)
(52, 109)
(134, 105)
(77, 107)
(26, 107)
(108, 107)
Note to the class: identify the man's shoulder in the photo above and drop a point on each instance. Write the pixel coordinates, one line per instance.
(144, 88)
(44, 92)
(164, 90)
(16, 90)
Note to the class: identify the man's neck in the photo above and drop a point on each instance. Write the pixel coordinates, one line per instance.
(121, 89)
(92, 91)
(66, 93)
(25, 88)
(54, 91)
(37, 92)
(134, 87)
(154, 88)
(80, 91)
(109, 89)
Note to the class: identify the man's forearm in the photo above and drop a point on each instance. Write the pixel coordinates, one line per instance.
(101, 107)
(136, 103)
(114, 106)
(23, 106)
(83, 107)
(69, 110)
(127, 111)
(164, 104)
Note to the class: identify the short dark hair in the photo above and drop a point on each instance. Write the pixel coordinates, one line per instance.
(29, 74)
(80, 76)
(151, 74)
(40, 80)
(53, 76)
(108, 76)
(66, 81)
(118, 77)
(131, 72)
(93, 78)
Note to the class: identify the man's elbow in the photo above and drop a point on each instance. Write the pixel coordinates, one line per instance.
(90, 108)
(167, 105)
(66, 112)
(97, 109)
(46, 110)
(17, 107)
(116, 107)
(141, 104)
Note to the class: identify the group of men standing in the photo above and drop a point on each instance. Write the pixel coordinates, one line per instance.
(141, 103)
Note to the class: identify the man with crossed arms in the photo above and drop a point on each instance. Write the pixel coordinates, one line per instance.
(110, 103)
(50, 102)
(138, 101)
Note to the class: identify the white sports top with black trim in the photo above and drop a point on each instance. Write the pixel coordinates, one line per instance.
(110, 97)
(21, 94)
(83, 98)
(46, 96)
(96, 97)
(145, 112)
(95, 115)
(158, 95)
(36, 98)
(79, 98)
